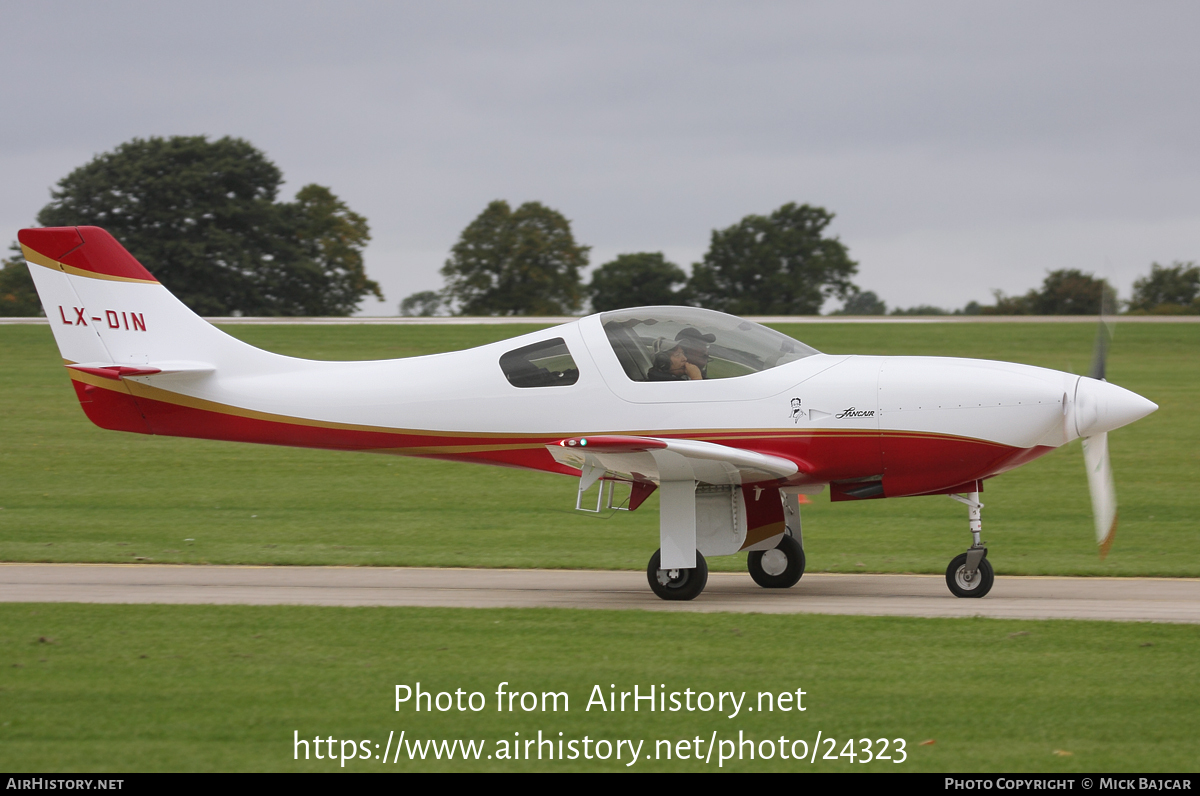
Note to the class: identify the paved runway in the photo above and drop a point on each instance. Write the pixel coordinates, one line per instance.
(1126, 599)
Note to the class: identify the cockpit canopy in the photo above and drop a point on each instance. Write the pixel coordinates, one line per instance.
(722, 346)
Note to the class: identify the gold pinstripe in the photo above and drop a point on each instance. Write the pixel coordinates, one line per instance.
(37, 258)
(141, 389)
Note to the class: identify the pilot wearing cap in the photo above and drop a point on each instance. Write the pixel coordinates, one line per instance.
(695, 346)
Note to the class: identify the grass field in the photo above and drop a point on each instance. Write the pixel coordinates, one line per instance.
(182, 688)
(73, 492)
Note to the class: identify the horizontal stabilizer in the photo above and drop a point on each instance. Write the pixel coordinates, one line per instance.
(117, 372)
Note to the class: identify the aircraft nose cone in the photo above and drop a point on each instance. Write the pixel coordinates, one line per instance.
(1100, 407)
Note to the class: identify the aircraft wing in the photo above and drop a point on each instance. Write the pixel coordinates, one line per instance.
(656, 459)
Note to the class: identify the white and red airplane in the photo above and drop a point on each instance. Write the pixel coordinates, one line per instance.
(729, 420)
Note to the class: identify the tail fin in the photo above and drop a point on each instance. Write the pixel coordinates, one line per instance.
(111, 319)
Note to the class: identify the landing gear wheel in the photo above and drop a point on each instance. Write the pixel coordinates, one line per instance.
(780, 568)
(977, 586)
(684, 584)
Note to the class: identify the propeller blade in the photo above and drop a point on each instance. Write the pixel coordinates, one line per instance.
(1104, 493)
(1100, 353)
(1104, 333)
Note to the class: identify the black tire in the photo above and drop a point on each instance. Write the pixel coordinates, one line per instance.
(980, 585)
(687, 586)
(792, 569)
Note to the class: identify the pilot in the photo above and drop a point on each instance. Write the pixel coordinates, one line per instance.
(673, 365)
(695, 348)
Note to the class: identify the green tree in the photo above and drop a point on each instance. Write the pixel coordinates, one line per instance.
(423, 304)
(636, 280)
(17, 295)
(863, 303)
(1168, 290)
(1071, 292)
(1010, 305)
(1064, 292)
(972, 308)
(202, 216)
(522, 262)
(920, 309)
(781, 264)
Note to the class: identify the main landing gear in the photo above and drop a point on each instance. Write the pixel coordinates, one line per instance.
(677, 584)
(780, 568)
(757, 515)
(970, 573)
(783, 566)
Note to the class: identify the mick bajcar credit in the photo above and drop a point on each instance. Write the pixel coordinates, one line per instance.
(716, 748)
(1076, 782)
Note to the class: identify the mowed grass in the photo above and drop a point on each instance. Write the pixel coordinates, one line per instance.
(72, 492)
(223, 688)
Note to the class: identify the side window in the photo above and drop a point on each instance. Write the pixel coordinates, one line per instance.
(544, 364)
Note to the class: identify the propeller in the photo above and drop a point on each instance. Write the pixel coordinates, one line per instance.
(1104, 492)
(1095, 447)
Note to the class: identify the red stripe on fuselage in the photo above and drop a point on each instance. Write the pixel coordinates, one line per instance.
(915, 462)
(113, 409)
(919, 465)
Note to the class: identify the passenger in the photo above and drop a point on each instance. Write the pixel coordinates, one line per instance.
(673, 365)
(695, 348)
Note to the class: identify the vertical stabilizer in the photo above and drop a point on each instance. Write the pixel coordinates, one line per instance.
(112, 321)
(107, 310)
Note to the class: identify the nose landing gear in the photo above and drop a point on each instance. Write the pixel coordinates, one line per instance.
(966, 580)
(970, 573)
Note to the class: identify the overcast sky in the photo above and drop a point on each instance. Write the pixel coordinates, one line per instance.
(963, 147)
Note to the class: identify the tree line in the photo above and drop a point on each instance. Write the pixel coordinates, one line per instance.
(1167, 290)
(526, 262)
(205, 218)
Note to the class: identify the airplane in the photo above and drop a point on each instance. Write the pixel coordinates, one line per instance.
(730, 421)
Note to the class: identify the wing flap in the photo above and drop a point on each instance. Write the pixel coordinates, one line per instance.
(658, 459)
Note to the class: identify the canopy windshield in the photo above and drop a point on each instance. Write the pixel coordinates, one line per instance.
(720, 346)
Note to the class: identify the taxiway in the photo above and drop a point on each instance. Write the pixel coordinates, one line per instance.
(1121, 599)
